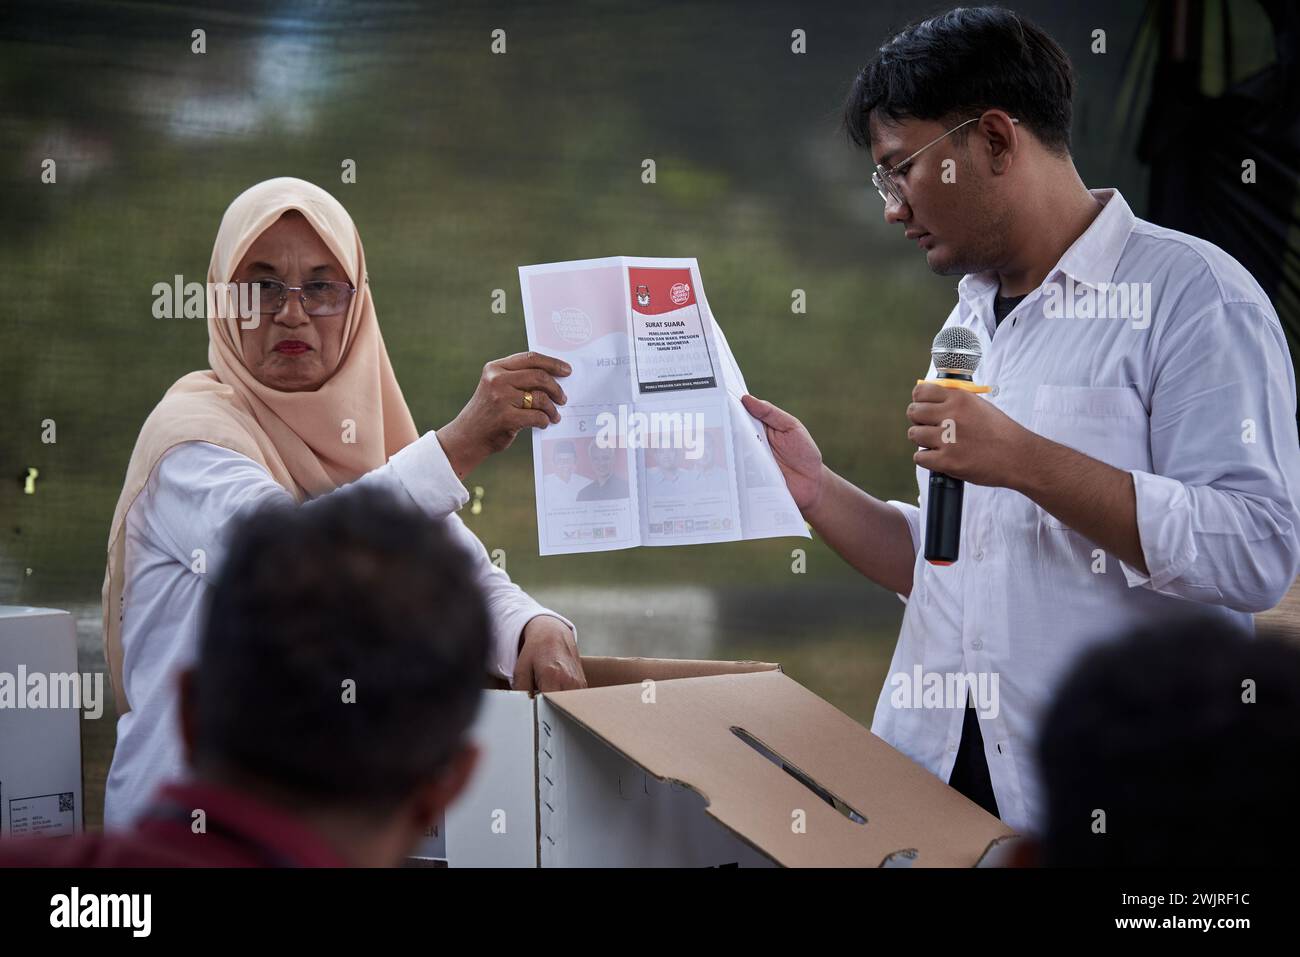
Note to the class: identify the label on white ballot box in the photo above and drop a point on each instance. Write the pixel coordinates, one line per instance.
(45, 815)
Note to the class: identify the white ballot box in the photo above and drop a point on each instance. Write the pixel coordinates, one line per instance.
(40, 724)
(665, 763)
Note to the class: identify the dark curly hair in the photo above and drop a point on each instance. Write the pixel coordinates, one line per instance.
(350, 588)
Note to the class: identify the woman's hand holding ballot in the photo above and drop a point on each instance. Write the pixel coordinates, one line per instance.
(514, 393)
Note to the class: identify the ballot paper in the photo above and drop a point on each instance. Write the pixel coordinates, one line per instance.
(653, 446)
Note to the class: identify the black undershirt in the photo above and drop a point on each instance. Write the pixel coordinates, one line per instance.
(1002, 306)
(970, 773)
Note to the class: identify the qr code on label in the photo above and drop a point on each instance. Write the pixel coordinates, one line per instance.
(66, 803)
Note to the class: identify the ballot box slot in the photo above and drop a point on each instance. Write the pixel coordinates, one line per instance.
(857, 817)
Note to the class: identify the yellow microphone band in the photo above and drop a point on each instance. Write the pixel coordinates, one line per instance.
(957, 384)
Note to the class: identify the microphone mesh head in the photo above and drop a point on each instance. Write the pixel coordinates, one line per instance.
(956, 347)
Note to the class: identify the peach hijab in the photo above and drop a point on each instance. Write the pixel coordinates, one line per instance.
(298, 437)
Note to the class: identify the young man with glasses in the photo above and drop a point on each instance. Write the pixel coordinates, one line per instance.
(1124, 463)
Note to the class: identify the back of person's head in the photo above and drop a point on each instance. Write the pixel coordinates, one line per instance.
(1176, 746)
(956, 65)
(344, 654)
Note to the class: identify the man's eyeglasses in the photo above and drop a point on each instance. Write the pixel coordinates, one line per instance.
(320, 297)
(883, 179)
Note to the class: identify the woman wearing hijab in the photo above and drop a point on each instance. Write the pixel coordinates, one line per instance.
(300, 402)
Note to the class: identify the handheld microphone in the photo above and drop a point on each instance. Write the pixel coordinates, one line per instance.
(956, 353)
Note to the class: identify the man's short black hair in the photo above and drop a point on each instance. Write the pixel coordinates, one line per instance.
(1156, 732)
(353, 592)
(958, 64)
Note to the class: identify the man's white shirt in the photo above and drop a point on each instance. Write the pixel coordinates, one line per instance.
(1196, 400)
(176, 538)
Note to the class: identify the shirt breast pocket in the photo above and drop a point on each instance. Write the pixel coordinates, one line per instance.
(1107, 423)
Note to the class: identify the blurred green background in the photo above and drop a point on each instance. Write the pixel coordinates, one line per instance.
(470, 164)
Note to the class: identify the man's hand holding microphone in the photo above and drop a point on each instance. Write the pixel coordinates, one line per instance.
(985, 446)
(960, 437)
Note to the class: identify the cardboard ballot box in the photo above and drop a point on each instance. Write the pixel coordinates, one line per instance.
(697, 764)
(40, 724)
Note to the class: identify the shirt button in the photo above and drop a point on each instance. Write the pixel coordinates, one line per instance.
(977, 644)
(953, 746)
(979, 555)
(994, 390)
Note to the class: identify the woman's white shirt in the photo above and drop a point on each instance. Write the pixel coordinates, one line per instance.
(177, 533)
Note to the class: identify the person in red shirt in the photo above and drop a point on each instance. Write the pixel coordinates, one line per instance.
(342, 662)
